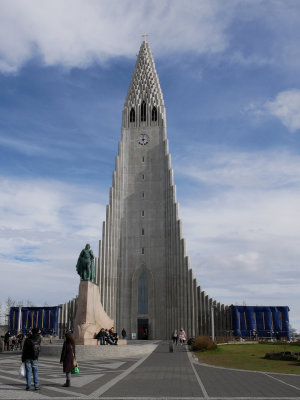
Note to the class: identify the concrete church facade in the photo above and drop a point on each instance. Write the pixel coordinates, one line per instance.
(144, 276)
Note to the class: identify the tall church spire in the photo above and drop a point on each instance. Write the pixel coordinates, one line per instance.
(144, 101)
(145, 280)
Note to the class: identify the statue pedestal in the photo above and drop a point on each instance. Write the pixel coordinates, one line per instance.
(90, 315)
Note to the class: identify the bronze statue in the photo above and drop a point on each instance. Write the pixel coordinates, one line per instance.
(85, 265)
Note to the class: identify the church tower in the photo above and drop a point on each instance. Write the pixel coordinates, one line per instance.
(145, 281)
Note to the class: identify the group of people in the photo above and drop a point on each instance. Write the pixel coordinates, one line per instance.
(13, 342)
(109, 336)
(179, 337)
(30, 356)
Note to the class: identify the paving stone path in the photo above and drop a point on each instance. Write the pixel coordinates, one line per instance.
(160, 375)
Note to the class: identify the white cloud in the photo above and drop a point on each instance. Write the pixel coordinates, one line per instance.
(245, 170)
(23, 146)
(238, 57)
(241, 226)
(286, 107)
(44, 226)
(249, 259)
(272, 33)
(78, 33)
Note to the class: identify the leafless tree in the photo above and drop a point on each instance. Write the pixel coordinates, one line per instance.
(1, 314)
(8, 304)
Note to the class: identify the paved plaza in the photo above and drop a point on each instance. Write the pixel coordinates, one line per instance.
(156, 375)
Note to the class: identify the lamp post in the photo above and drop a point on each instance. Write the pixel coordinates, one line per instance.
(19, 318)
(212, 324)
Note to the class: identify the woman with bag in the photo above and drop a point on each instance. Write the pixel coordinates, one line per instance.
(67, 357)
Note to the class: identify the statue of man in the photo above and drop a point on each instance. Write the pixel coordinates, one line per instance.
(85, 265)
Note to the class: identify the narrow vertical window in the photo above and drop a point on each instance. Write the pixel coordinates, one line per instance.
(143, 294)
(132, 115)
(143, 111)
(143, 176)
(143, 194)
(143, 231)
(143, 213)
(143, 159)
(154, 114)
(143, 250)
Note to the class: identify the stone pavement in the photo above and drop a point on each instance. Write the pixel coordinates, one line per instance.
(156, 375)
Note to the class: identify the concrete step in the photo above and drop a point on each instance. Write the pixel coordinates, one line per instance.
(88, 352)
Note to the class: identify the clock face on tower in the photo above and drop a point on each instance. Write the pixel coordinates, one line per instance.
(143, 139)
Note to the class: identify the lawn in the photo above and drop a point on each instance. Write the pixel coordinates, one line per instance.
(251, 357)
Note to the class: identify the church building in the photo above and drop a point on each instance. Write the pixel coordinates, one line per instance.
(145, 280)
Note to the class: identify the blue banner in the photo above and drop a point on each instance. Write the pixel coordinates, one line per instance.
(259, 321)
(44, 318)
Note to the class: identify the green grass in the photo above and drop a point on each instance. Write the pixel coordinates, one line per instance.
(251, 357)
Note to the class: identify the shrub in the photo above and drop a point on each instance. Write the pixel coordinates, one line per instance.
(203, 343)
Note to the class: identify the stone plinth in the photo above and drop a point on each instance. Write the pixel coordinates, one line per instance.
(90, 315)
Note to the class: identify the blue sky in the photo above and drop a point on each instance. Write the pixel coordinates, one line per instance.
(229, 73)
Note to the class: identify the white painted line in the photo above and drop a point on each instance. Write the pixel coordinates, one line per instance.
(97, 393)
(252, 371)
(200, 398)
(281, 381)
(152, 398)
(205, 394)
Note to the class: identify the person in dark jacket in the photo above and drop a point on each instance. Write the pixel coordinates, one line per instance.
(20, 338)
(30, 356)
(6, 340)
(113, 336)
(101, 336)
(67, 357)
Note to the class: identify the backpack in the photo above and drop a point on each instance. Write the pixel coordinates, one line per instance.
(36, 350)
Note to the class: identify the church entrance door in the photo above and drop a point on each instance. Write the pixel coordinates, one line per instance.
(143, 329)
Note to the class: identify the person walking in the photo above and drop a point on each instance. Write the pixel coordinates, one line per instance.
(67, 357)
(182, 336)
(124, 334)
(30, 356)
